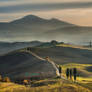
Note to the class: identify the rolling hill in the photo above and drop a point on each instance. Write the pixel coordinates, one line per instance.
(22, 64)
(65, 54)
(30, 62)
(6, 47)
(35, 28)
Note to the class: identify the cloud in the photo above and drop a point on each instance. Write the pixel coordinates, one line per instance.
(44, 7)
(75, 11)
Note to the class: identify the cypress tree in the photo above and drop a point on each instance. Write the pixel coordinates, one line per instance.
(67, 73)
(60, 70)
(70, 73)
(75, 73)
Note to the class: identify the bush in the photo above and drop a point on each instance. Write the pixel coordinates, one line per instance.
(25, 82)
(54, 42)
(0, 78)
(6, 79)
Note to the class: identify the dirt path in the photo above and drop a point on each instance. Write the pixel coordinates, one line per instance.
(50, 61)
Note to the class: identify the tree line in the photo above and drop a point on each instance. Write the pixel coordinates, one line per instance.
(70, 72)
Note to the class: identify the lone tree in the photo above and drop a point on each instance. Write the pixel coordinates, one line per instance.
(71, 73)
(67, 73)
(28, 49)
(54, 42)
(60, 70)
(75, 73)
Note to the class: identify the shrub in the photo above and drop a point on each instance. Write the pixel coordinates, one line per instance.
(25, 82)
(0, 78)
(6, 79)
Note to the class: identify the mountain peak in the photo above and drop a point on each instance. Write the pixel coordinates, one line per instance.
(29, 19)
(32, 17)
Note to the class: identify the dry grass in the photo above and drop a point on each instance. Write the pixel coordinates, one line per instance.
(74, 46)
(85, 76)
(58, 85)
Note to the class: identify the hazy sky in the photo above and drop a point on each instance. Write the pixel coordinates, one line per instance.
(74, 11)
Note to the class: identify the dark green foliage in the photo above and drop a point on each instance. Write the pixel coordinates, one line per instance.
(67, 73)
(54, 42)
(71, 73)
(60, 70)
(28, 49)
(75, 73)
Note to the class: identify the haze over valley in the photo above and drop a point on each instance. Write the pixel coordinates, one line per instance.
(31, 27)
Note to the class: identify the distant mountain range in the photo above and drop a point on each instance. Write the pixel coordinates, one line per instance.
(32, 27)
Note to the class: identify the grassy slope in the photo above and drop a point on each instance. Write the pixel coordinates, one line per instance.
(21, 64)
(63, 54)
(84, 83)
(82, 69)
(9, 87)
(54, 85)
(85, 76)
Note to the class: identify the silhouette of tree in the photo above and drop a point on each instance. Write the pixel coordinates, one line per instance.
(54, 42)
(60, 69)
(28, 49)
(71, 73)
(67, 73)
(75, 73)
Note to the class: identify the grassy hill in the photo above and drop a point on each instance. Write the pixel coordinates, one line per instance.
(83, 84)
(67, 56)
(22, 64)
(61, 54)
(6, 47)
(84, 73)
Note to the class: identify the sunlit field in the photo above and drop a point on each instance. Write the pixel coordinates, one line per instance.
(56, 85)
(83, 83)
(84, 76)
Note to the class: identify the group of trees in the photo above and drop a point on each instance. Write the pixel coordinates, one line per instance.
(71, 72)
